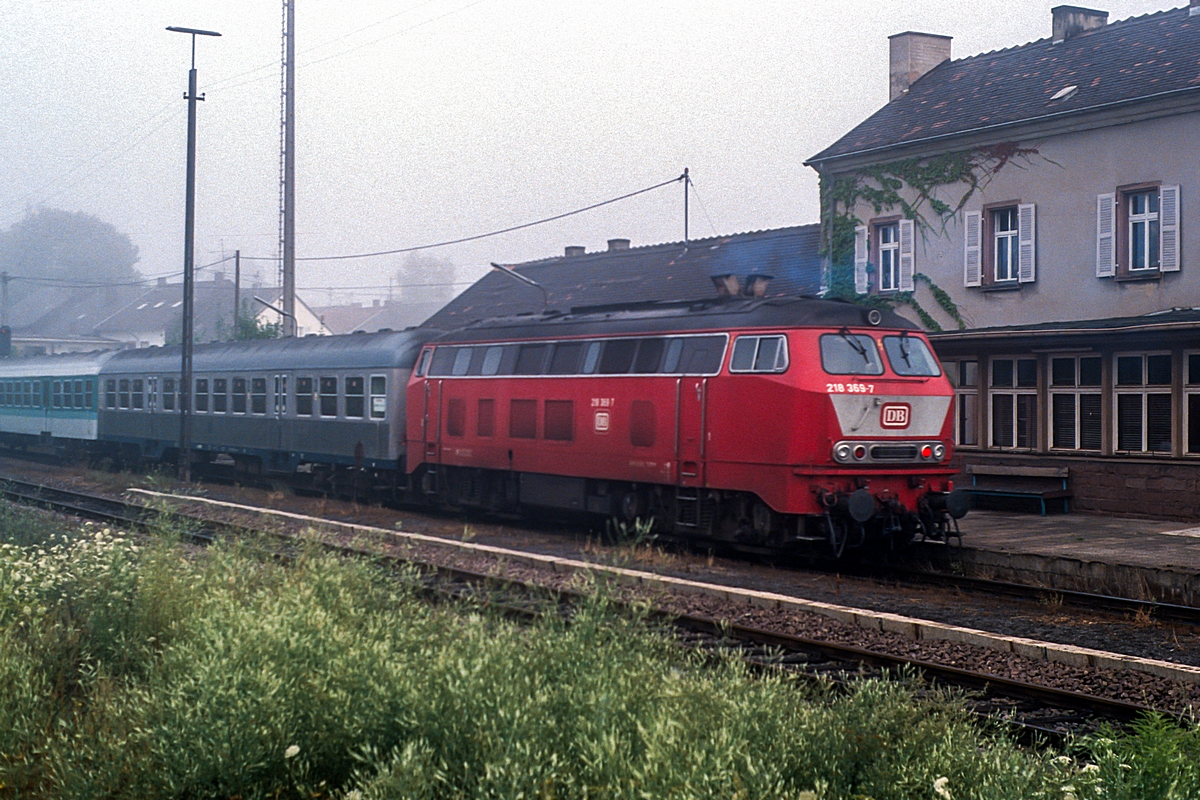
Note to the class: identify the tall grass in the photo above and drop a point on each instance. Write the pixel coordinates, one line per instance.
(152, 671)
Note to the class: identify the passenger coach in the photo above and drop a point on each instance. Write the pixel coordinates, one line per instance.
(49, 402)
(327, 409)
(762, 421)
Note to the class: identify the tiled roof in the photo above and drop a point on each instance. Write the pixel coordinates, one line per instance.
(674, 271)
(1187, 318)
(1126, 61)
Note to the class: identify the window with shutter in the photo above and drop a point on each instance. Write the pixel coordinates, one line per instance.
(972, 261)
(1143, 402)
(907, 254)
(860, 259)
(1169, 217)
(1106, 240)
(1027, 243)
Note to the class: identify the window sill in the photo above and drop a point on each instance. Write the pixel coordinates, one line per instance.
(1140, 275)
(1007, 286)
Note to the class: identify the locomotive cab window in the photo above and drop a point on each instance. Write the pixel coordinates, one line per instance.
(759, 354)
(422, 365)
(910, 357)
(848, 353)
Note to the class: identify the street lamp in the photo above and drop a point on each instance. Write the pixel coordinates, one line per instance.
(189, 234)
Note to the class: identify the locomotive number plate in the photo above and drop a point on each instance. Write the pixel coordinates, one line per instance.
(850, 388)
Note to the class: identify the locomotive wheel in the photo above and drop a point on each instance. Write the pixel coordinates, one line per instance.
(763, 519)
(630, 506)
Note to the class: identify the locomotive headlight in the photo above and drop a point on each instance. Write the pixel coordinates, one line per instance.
(939, 451)
(860, 452)
(842, 452)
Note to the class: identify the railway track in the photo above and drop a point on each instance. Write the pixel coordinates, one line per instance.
(1036, 712)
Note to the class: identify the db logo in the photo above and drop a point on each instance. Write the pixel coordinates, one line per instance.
(894, 415)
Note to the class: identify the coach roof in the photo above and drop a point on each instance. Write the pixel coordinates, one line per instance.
(383, 350)
(679, 317)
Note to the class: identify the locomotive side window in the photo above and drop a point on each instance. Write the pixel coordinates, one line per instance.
(531, 359)
(910, 357)
(168, 397)
(304, 396)
(354, 397)
(443, 361)
(617, 357)
(201, 394)
(849, 354)
(462, 360)
(761, 354)
(423, 364)
(220, 388)
(378, 396)
(258, 395)
(591, 358)
(701, 355)
(239, 395)
(649, 356)
(329, 396)
(566, 358)
(674, 351)
(110, 393)
(491, 360)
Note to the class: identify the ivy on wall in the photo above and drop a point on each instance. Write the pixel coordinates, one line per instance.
(914, 187)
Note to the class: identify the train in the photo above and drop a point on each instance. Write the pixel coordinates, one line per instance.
(769, 423)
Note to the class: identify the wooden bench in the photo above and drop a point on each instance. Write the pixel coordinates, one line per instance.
(1040, 483)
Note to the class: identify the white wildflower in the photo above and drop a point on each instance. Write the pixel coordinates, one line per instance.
(292, 751)
(1089, 768)
(807, 794)
(939, 788)
(1062, 761)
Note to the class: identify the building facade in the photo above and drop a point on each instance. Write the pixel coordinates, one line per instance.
(1036, 205)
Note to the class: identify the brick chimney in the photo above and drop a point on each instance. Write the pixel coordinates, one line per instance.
(573, 250)
(1071, 21)
(911, 55)
(618, 244)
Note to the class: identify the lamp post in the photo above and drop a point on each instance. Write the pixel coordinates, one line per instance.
(189, 233)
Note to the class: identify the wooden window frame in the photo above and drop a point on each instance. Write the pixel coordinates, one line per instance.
(1121, 233)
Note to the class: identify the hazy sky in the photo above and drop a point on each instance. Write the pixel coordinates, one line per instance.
(420, 122)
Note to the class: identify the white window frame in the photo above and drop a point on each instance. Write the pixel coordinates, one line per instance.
(889, 256)
(1013, 390)
(1147, 218)
(372, 396)
(1143, 390)
(1006, 241)
(1076, 390)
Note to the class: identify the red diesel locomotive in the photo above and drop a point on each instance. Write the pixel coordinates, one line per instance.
(768, 423)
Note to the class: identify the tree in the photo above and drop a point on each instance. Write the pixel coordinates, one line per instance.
(426, 278)
(67, 246)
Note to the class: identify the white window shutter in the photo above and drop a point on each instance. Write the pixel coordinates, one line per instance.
(973, 252)
(1026, 243)
(1106, 235)
(860, 259)
(907, 250)
(1168, 214)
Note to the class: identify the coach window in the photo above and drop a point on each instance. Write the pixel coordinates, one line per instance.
(762, 354)
(168, 394)
(1143, 403)
(88, 393)
(27, 394)
(304, 396)
(58, 395)
(1075, 402)
(110, 393)
(201, 394)
(378, 396)
(910, 357)
(220, 389)
(152, 393)
(258, 395)
(329, 397)
(78, 393)
(123, 385)
(1014, 403)
(239, 395)
(139, 396)
(845, 353)
(354, 397)
(565, 360)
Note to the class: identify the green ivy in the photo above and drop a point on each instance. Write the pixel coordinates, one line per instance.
(880, 186)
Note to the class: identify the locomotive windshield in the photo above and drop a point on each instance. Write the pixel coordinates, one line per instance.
(848, 353)
(910, 356)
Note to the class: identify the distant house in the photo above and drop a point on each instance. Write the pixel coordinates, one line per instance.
(782, 261)
(393, 315)
(1049, 191)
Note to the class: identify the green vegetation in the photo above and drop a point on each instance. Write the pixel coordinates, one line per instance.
(154, 670)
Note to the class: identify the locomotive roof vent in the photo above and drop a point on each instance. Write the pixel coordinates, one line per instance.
(756, 285)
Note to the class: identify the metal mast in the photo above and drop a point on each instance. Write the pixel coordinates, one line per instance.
(287, 171)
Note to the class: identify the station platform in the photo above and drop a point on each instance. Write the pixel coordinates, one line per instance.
(1139, 558)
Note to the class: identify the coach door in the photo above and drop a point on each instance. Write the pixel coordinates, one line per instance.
(279, 411)
(691, 402)
(47, 421)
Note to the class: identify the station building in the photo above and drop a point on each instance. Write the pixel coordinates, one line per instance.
(1036, 208)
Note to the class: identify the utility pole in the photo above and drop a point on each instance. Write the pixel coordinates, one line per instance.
(686, 181)
(288, 210)
(189, 277)
(3, 298)
(237, 293)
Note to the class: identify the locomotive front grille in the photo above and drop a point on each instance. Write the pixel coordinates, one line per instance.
(894, 452)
